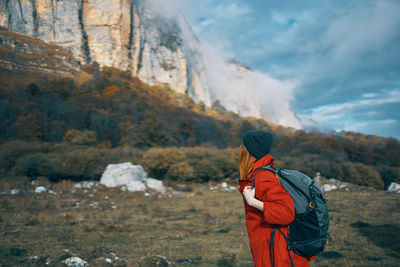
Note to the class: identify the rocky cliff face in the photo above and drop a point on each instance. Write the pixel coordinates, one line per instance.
(129, 35)
(119, 33)
(20, 53)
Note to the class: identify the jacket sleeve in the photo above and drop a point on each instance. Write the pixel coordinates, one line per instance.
(278, 204)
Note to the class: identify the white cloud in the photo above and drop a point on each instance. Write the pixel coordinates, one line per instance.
(333, 50)
(362, 29)
(369, 95)
(336, 111)
(231, 10)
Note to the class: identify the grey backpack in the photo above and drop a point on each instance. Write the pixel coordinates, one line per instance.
(308, 233)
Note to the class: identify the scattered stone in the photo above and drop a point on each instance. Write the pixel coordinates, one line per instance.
(329, 187)
(133, 178)
(75, 262)
(330, 184)
(32, 258)
(42, 189)
(222, 188)
(15, 191)
(394, 188)
(94, 204)
(85, 184)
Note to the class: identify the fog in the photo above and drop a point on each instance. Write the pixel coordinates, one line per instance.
(232, 83)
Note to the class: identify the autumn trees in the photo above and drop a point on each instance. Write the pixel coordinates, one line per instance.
(48, 126)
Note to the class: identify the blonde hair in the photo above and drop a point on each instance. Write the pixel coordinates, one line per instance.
(246, 161)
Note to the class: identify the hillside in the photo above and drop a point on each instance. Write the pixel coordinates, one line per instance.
(145, 39)
(50, 123)
(19, 54)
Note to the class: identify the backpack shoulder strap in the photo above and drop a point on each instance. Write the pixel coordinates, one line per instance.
(268, 167)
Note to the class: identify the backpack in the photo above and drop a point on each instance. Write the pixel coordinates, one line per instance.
(309, 230)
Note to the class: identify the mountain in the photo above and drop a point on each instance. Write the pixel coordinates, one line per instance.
(122, 34)
(22, 54)
(135, 36)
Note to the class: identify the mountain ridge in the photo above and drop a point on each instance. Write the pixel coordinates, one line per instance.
(135, 36)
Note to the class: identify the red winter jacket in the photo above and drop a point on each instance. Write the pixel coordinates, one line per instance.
(278, 210)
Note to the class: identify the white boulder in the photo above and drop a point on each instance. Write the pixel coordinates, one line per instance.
(155, 184)
(135, 185)
(329, 187)
(85, 184)
(15, 191)
(394, 188)
(131, 177)
(75, 262)
(42, 189)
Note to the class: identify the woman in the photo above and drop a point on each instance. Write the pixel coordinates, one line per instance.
(267, 205)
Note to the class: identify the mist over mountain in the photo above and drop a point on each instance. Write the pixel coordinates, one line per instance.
(152, 41)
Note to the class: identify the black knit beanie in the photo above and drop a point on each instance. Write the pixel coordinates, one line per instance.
(258, 143)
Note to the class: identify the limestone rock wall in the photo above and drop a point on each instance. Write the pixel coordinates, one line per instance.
(119, 33)
(133, 36)
(20, 53)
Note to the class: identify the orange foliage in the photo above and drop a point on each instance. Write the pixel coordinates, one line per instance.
(111, 90)
(70, 134)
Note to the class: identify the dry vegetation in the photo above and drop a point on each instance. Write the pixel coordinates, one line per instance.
(195, 227)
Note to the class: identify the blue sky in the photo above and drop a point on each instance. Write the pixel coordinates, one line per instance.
(344, 56)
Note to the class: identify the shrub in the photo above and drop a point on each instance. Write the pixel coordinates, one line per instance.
(157, 161)
(85, 137)
(34, 165)
(78, 164)
(206, 170)
(181, 171)
(361, 174)
(11, 151)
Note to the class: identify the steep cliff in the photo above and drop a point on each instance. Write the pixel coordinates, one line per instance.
(20, 53)
(131, 35)
(119, 33)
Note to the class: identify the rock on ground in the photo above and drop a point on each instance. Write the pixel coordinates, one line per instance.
(394, 188)
(42, 189)
(329, 187)
(131, 177)
(75, 262)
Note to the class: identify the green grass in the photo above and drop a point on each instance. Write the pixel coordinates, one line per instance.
(197, 228)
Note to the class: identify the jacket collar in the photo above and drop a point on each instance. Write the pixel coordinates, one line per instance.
(264, 161)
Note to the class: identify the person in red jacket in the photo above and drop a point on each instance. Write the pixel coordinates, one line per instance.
(268, 205)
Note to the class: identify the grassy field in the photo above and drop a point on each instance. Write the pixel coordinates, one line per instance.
(189, 226)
